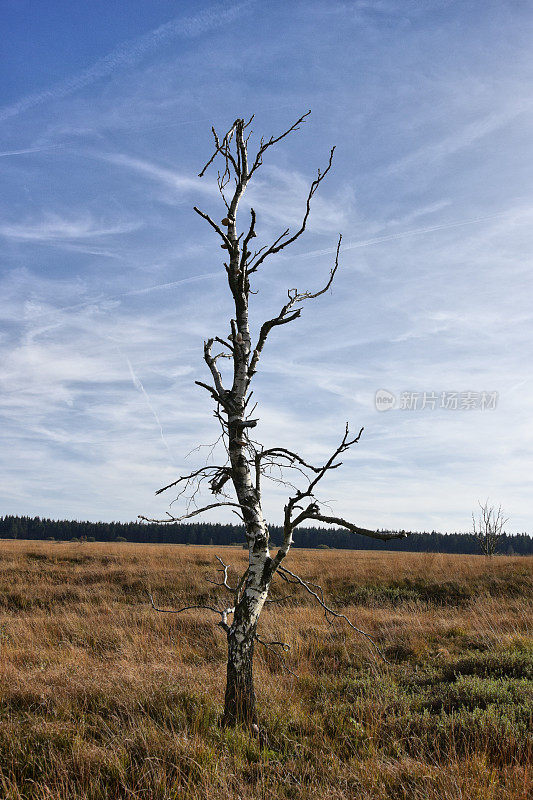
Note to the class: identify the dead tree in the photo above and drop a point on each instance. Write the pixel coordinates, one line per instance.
(247, 462)
(489, 528)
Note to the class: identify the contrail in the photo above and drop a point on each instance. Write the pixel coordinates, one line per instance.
(207, 275)
(157, 287)
(28, 150)
(403, 234)
(129, 52)
(138, 385)
(171, 285)
(515, 386)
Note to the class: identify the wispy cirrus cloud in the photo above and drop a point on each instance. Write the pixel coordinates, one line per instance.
(162, 175)
(350, 245)
(54, 228)
(463, 137)
(430, 187)
(277, 195)
(185, 27)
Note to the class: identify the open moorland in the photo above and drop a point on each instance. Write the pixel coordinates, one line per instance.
(103, 697)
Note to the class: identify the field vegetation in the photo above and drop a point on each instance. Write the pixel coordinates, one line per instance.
(102, 697)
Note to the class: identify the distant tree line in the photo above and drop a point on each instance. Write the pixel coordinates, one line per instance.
(12, 527)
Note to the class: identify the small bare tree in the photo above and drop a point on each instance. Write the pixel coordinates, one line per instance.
(489, 528)
(247, 462)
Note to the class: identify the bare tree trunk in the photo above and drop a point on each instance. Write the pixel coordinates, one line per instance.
(239, 700)
(246, 461)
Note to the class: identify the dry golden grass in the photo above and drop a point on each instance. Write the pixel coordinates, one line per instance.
(104, 698)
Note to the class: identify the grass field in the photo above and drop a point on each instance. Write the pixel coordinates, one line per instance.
(102, 697)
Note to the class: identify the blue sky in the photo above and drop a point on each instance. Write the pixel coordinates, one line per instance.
(110, 282)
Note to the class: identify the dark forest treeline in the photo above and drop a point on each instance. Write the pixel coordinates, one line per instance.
(12, 527)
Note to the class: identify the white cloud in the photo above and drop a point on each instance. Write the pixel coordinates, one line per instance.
(128, 53)
(430, 188)
(54, 228)
(173, 180)
(464, 137)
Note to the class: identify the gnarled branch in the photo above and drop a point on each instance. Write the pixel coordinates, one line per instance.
(282, 242)
(310, 511)
(287, 314)
(198, 473)
(224, 582)
(274, 140)
(284, 572)
(342, 523)
(190, 514)
(223, 612)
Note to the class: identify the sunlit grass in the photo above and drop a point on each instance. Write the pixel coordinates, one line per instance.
(101, 697)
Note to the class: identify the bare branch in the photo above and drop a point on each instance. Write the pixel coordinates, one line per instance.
(284, 316)
(282, 452)
(190, 514)
(249, 236)
(311, 295)
(271, 646)
(211, 363)
(345, 444)
(213, 224)
(284, 646)
(213, 392)
(384, 537)
(224, 149)
(222, 612)
(240, 587)
(223, 342)
(290, 523)
(218, 477)
(217, 482)
(489, 529)
(181, 610)
(312, 511)
(224, 568)
(224, 621)
(327, 609)
(266, 327)
(281, 243)
(203, 471)
(274, 140)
